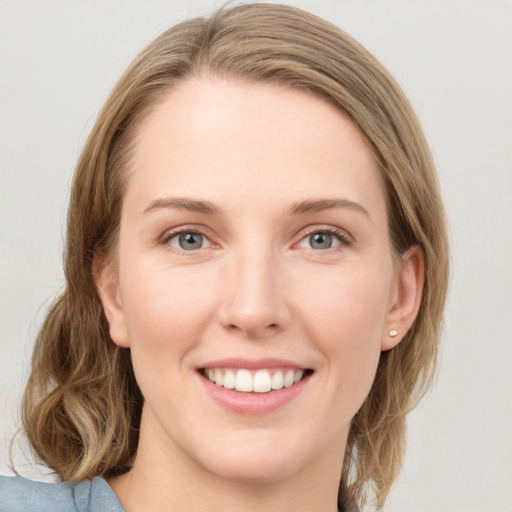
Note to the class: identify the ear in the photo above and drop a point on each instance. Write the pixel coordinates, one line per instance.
(108, 289)
(406, 297)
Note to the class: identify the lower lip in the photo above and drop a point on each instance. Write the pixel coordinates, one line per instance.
(253, 403)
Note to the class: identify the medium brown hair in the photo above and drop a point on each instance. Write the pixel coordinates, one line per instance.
(82, 406)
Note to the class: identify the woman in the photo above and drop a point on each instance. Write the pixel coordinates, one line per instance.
(256, 272)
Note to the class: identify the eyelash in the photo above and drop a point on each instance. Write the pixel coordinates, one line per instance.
(342, 236)
(169, 235)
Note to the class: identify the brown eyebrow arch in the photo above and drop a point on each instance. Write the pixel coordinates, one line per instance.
(318, 205)
(183, 203)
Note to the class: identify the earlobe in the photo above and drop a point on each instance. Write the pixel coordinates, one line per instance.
(407, 298)
(108, 290)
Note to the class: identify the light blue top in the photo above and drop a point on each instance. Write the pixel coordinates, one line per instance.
(21, 495)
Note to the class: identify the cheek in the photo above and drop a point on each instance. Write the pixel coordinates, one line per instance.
(350, 305)
(346, 320)
(165, 313)
(165, 308)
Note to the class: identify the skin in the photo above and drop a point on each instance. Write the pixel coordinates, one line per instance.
(256, 288)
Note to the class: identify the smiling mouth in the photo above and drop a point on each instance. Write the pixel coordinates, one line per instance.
(250, 381)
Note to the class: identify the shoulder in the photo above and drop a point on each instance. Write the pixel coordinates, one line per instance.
(21, 495)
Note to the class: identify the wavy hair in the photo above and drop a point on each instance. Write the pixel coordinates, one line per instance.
(82, 407)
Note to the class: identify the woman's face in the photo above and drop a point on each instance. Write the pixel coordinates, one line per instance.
(253, 252)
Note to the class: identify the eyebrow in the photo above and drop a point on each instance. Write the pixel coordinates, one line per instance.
(208, 208)
(183, 203)
(318, 205)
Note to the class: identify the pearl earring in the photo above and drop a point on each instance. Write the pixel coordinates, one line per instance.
(393, 333)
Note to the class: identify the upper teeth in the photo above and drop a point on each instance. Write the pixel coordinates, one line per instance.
(260, 381)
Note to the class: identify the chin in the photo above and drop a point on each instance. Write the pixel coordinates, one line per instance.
(263, 459)
(253, 472)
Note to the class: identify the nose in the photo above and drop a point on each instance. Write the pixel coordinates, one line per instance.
(254, 301)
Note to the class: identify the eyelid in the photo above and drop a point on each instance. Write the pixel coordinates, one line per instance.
(345, 239)
(173, 232)
(343, 236)
(204, 239)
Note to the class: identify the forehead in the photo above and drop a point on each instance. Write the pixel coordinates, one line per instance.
(218, 137)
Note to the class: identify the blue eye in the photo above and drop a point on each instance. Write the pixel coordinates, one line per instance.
(322, 240)
(188, 241)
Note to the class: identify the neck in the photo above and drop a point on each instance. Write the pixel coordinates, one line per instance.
(164, 478)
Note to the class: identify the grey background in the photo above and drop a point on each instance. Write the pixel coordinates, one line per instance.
(58, 61)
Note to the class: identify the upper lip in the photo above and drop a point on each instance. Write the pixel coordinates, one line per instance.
(252, 364)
